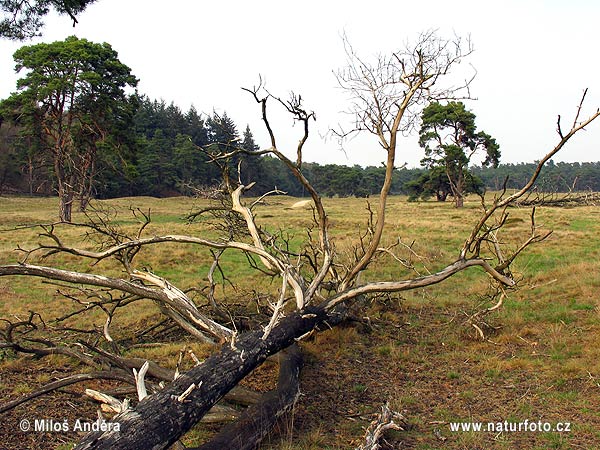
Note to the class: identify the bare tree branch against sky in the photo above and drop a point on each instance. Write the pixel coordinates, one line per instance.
(532, 58)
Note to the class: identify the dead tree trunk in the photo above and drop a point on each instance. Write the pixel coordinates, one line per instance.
(161, 419)
(257, 421)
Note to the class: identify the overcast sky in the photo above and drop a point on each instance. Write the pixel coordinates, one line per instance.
(533, 61)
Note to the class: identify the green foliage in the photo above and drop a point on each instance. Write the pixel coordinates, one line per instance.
(555, 177)
(189, 162)
(222, 132)
(72, 99)
(11, 158)
(252, 169)
(434, 183)
(448, 135)
(135, 160)
(24, 19)
(157, 174)
(431, 183)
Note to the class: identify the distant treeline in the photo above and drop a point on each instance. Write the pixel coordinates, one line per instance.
(555, 177)
(160, 156)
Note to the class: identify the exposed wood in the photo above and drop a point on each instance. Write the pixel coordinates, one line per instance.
(181, 305)
(160, 420)
(243, 396)
(105, 375)
(415, 283)
(386, 420)
(250, 223)
(109, 403)
(220, 413)
(140, 383)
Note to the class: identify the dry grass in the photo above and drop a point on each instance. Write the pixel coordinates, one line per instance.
(541, 361)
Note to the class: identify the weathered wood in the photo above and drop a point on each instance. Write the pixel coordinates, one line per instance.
(243, 396)
(387, 420)
(219, 414)
(256, 422)
(108, 402)
(104, 375)
(160, 419)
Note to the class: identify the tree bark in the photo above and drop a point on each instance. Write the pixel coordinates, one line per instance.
(257, 420)
(459, 201)
(160, 419)
(65, 206)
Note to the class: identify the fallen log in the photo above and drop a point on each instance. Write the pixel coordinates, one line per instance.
(159, 420)
(256, 421)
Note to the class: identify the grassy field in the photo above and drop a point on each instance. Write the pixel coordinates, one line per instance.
(540, 360)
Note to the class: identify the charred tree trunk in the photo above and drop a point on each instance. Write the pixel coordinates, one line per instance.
(160, 419)
(256, 422)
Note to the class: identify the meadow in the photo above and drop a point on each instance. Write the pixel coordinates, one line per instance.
(539, 359)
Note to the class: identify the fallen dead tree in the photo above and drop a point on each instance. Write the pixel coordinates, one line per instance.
(258, 420)
(315, 284)
(560, 200)
(160, 419)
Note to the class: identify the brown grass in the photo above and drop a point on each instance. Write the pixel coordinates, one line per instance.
(540, 362)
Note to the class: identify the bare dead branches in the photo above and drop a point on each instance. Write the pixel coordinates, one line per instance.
(21, 337)
(398, 82)
(567, 200)
(472, 252)
(294, 107)
(386, 420)
(415, 283)
(63, 382)
(472, 244)
(168, 295)
(316, 284)
(385, 97)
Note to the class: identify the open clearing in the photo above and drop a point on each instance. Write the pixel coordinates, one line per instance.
(540, 360)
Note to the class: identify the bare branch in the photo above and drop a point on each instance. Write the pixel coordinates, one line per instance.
(63, 382)
(386, 420)
(109, 403)
(386, 96)
(501, 202)
(416, 283)
(139, 380)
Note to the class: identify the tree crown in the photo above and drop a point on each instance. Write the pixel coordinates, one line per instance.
(23, 19)
(449, 136)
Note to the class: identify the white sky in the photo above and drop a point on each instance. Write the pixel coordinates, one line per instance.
(533, 60)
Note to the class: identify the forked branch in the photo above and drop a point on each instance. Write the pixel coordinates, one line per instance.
(501, 202)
